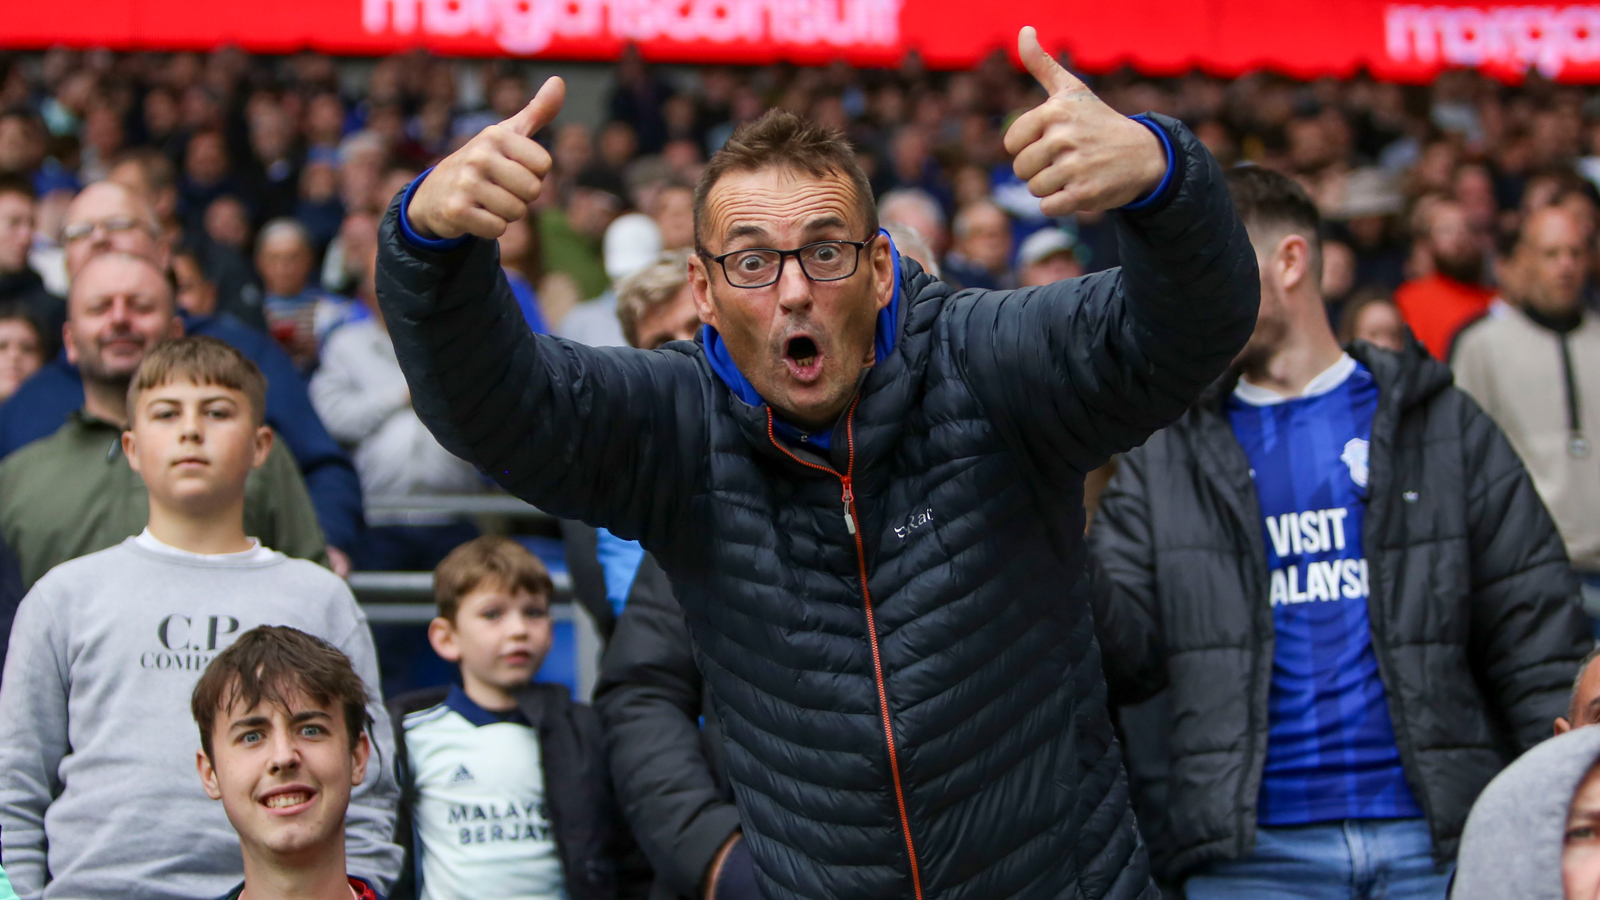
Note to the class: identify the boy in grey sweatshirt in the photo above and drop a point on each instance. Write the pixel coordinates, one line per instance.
(98, 797)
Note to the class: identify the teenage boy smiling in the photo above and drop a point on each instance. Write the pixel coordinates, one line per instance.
(107, 647)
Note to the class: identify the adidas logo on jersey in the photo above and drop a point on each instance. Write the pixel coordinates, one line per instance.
(461, 775)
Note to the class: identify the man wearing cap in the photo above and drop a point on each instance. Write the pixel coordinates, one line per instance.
(1046, 257)
(866, 488)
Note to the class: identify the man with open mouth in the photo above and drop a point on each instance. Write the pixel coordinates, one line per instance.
(865, 486)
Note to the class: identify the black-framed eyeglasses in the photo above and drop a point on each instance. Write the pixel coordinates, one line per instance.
(77, 231)
(759, 267)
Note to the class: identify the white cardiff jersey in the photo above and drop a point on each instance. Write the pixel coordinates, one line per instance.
(482, 826)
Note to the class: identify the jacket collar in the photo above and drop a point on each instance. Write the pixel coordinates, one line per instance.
(1408, 377)
(884, 341)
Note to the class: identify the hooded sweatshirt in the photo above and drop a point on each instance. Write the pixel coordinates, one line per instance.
(1511, 848)
(99, 797)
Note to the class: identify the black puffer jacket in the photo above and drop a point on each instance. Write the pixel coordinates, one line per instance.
(1475, 620)
(910, 694)
(664, 740)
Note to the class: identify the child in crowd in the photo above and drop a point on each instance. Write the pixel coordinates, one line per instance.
(106, 649)
(283, 741)
(504, 786)
(22, 343)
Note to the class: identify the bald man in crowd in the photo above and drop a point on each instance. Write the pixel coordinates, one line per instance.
(108, 217)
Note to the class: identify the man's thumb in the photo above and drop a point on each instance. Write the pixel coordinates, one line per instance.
(541, 109)
(1041, 65)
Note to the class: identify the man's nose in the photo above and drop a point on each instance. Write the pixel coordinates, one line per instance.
(285, 755)
(794, 288)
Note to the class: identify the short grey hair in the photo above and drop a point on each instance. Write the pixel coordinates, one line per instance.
(909, 242)
(918, 198)
(651, 286)
(285, 227)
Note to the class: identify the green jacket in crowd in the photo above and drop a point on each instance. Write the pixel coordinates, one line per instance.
(74, 493)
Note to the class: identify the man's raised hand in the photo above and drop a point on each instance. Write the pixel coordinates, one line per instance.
(489, 182)
(1075, 152)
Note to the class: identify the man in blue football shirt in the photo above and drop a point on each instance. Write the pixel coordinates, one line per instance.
(1338, 570)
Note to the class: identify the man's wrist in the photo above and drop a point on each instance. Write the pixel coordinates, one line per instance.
(419, 236)
(1160, 187)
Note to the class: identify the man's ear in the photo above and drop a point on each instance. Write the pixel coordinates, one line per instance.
(442, 637)
(359, 754)
(208, 775)
(264, 439)
(1293, 260)
(700, 285)
(882, 261)
(66, 342)
(1562, 726)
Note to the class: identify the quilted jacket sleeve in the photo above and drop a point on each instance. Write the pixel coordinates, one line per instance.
(611, 436)
(1528, 628)
(1122, 569)
(1084, 368)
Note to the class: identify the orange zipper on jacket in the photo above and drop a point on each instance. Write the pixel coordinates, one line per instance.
(850, 519)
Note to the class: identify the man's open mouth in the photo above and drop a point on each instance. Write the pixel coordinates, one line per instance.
(288, 799)
(803, 357)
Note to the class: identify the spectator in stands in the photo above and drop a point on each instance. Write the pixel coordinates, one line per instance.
(981, 257)
(22, 344)
(1534, 834)
(571, 234)
(674, 215)
(150, 175)
(520, 743)
(196, 296)
(272, 169)
(22, 141)
(1454, 293)
(632, 242)
(107, 216)
(19, 283)
(917, 210)
(94, 798)
(655, 305)
(72, 493)
(1372, 317)
(1329, 752)
(1046, 257)
(1535, 369)
(910, 244)
(361, 394)
(299, 317)
(1584, 708)
(283, 742)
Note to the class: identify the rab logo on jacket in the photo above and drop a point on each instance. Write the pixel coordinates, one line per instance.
(1306, 533)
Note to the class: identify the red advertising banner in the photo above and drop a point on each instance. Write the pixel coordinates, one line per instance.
(1401, 41)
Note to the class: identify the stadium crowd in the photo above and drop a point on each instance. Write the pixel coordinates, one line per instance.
(227, 209)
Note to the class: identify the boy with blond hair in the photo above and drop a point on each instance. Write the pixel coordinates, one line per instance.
(504, 786)
(106, 648)
(283, 740)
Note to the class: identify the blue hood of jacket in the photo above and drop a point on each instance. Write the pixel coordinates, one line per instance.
(888, 330)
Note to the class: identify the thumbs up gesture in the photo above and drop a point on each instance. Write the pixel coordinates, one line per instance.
(1075, 152)
(489, 182)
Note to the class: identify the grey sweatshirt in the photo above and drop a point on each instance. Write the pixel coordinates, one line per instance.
(1511, 848)
(99, 797)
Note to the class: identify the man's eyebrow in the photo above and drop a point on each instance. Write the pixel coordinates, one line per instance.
(829, 221)
(745, 230)
(307, 715)
(1593, 707)
(249, 722)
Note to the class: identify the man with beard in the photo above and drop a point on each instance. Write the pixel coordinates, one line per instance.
(1437, 305)
(73, 493)
(1337, 567)
(866, 488)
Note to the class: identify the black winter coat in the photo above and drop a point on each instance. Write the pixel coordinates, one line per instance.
(669, 768)
(599, 859)
(897, 636)
(1475, 620)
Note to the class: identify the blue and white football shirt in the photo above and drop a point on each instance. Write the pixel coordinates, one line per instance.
(482, 825)
(1331, 751)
